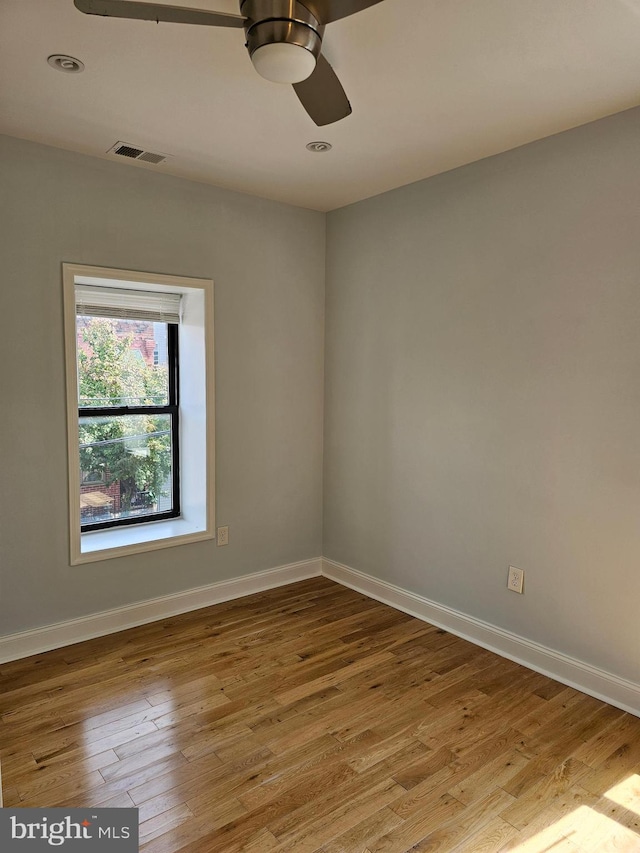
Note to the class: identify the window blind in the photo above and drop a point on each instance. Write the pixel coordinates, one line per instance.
(123, 304)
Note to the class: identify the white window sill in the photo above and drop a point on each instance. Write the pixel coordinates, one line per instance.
(120, 541)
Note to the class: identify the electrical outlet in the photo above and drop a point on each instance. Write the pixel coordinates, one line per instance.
(223, 536)
(515, 581)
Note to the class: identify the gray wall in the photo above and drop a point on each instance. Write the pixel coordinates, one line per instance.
(482, 396)
(267, 262)
(482, 383)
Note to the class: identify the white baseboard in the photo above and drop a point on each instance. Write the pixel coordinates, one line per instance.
(570, 671)
(26, 643)
(575, 673)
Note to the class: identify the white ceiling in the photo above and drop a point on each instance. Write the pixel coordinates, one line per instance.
(434, 84)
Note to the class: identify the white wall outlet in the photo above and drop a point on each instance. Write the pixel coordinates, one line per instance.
(223, 535)
(515, 581)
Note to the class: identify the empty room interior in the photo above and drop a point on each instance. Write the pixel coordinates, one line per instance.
(320, 506)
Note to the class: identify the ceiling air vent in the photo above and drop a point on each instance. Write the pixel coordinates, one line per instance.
(148, 157)
(124, 149)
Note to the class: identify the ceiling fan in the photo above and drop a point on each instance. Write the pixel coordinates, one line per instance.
(284, 40)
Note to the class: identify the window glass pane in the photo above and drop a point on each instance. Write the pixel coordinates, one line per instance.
(126, 468)
(121, 362)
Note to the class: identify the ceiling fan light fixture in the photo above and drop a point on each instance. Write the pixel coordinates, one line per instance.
(283, 39)
(283, 63)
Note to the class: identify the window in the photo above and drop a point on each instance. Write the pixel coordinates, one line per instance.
(128, 412)
(140, 441)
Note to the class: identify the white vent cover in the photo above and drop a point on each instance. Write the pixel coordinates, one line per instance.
(133, 152)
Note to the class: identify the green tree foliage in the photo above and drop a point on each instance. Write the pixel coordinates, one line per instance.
(134, 450)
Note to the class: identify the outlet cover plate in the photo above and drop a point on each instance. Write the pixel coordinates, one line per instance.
(515, 581)
(222, 537)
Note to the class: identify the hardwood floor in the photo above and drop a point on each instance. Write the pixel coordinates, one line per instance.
(310, 718)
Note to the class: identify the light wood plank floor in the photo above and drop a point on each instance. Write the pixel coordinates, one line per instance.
(310, 718)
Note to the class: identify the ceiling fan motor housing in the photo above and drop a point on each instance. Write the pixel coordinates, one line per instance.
(281, 21)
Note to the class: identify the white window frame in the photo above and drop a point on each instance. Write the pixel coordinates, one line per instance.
(197, 435)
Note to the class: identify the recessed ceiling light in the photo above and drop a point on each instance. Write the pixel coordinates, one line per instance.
(68, 64)
(319, 147)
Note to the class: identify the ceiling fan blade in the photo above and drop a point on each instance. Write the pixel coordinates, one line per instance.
(322, 95)
(158, 12)
(327, 11)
